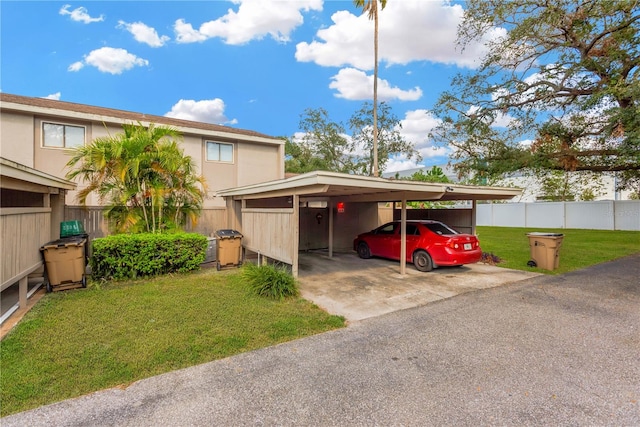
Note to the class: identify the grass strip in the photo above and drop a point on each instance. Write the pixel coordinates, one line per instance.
(580, 248)
(80, 341)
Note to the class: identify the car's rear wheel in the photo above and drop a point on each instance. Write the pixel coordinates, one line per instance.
(422, 261)
(363, 250)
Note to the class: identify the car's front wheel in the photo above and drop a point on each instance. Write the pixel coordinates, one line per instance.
(363, 250)
(422, 261)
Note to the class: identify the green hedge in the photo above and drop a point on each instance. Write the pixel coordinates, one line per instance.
(128, 256)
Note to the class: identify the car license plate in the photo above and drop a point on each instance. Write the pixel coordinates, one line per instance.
(467, 246)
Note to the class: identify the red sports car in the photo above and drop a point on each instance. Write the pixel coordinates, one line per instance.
(430, 244)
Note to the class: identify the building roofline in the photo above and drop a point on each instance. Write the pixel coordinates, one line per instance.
(109, 115)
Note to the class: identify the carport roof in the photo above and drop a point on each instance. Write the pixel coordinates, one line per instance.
(322, 185)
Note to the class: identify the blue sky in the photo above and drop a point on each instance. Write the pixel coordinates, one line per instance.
(250, 64)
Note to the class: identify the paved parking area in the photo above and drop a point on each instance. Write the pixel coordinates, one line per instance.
(556, 350)
(359, 289)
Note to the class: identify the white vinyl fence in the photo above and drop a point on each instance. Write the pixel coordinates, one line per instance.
(598, 215)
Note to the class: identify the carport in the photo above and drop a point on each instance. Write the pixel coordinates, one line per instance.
(269, 215)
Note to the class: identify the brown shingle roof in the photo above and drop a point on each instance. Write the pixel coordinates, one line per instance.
(122, 114)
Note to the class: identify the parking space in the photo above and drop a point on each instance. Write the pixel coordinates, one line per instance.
(358, 289)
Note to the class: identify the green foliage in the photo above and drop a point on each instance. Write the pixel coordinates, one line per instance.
(270, 281)
(390, 141)
(435, 174)
(128, 256)
(148, 183)
(558, 91)
(324, 144)
(81, 341)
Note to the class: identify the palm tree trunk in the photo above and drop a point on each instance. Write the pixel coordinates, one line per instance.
(143, 204)
(375, 90)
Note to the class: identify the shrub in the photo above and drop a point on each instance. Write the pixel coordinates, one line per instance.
(270, 281)
(490, 258)
(128, 256)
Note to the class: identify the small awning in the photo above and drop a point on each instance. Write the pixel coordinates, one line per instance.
(14, 175)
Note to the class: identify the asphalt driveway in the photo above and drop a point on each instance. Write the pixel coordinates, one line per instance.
(548, 350)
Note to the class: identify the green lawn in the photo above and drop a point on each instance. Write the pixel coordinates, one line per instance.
(76, 342)
(580, 248)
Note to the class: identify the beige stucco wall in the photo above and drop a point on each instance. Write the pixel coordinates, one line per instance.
(218, 175)
(22, 142)
(252, 163)
(17, 138)
(259, 163)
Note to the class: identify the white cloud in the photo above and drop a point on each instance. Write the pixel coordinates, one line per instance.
(54, 96)
(416, 126)
(206, 111)
(400, 163)
(254, 19)
(79, 14)
(408, 31)
(144, 34)
(110, 60)
(186, 34)
(76, 66)
(353, 84)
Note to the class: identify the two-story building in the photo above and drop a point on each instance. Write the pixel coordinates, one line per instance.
(38, 132)
(35, 137)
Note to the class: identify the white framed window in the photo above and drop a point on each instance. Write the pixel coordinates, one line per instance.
(56, 135)
(219, 151)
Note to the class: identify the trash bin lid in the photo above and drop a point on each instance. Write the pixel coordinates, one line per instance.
(66, 241)
(540, 234)
(227, 234)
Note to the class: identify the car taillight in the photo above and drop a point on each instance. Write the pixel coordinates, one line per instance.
(454, 245)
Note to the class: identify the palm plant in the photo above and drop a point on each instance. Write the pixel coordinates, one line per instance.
(371, 7)
(147, 182)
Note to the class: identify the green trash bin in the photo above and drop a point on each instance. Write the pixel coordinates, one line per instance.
(71, 229)
(545, 250)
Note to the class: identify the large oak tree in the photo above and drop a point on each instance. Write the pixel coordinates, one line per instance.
(558, 90)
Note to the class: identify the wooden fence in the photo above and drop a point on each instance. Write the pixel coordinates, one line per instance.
(95, 224)
(268, 231)
(23, 231)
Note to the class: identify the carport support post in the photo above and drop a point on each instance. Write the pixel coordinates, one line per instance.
(296, 235)
(403, 238)
(330, 205)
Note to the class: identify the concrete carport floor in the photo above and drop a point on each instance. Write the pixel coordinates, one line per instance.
(362, 288)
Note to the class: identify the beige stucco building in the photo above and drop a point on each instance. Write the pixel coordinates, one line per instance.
(37, 133)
